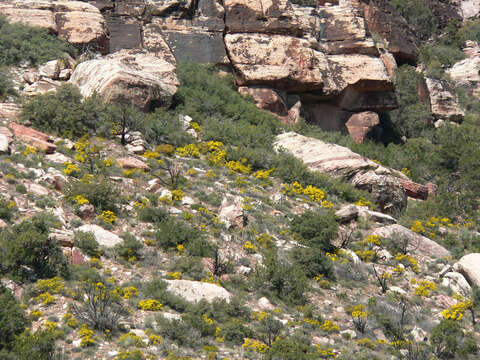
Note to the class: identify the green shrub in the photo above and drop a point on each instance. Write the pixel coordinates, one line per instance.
(100, 193)
(418, 16)
(87, 243)
(12, 318)
(178, 331)
(130, 249)
(6, 209)
(313, 263)
(450, 342)
(164, 127)
(39, 345)
(64, 113)
(152, 214)
(6, 84)
(21, 43)
(315, 229)
(234, 331)
(304, 2)
(285, 280)
(27, 246)
(171, 233)
(290, 348)
(157, 289)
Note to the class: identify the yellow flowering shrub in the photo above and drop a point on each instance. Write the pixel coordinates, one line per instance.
(150, 305)
(81, 200)
(35, 314)
(408, 261)
(45, 298)
(108, 216)
(325, 353)
(373, 240)
(366, 342)
(177, 194)
(151, 154)
(263, 174)
(174, 275)
(364, 202)
(417, 227)
(251, 248)
(190, 150)
(207, 320)
(126, 292)
(29, 150)
(86, 336)
(425, 287)
(155, 339)
(133, 354)
(456, 311)
(254, 345)
(195, 126)
(53, 285)
(260, 315)
(70, 320)
(95, 262)
(71, 169)
(330, 327)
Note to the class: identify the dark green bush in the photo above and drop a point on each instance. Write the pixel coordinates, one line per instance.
(313, 263)
(178, 331)
(6, 84)
(12, 318)
(304, 2)
(87, 243)
(291, 349)
(171, 233)
(21, 43)
(39, 345)
(450, 342)
(6, 209)
(100, 193)
(130, 249)
(27, 246)
(152, 214)
(418, 16)
(315, 229)
(64, 113)
(282, 279)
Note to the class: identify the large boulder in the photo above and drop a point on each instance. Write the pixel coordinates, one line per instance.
(384, 21)
(103, 237)
(128, 77)
(278, 61)
(470, 8)
(35, 138)
(261, 16)
(466, 73)
(443, 100)
(360, 125)
(469, 266)
(384, 184)
(231, 212)
(77, 22)
(417, 244)
(457, 283)
(194, 291)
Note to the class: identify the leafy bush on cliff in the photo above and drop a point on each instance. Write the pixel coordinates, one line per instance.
(21, 43)
(6, 84)
(64, 113)
(26, 252)
(418, 16)
(12, 319)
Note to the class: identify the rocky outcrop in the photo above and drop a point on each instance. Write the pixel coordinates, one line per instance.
(35, 138)
(128, 77)
(469, 266)
(466, 73)
(384, 184)
(352, 212)
(470, 8)
(131, 163)
(382, 20)
(77, 22)
(417, 243)
(360, 125)
(231, 212)
(103, 237)
(194, 291)
(457, 283)
(443, 100)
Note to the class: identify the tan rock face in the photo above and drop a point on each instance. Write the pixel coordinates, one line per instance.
(261, 16)
(128, 77)
(443, 100)
(470, 8)
(266, 99)
(283, 61)
(75, 21)
(469, 266)
(417, 243)
(466, 73)
(81, 23)
(33, 137)
(130, 163)
(381, 20)
(384, 184)
(361, 124)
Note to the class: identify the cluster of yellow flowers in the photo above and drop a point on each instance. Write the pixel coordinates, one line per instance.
(150, 305)
(456, 311)
(407, 260)
(325, 353)
(255, 345)
(108, 216)
(86, 336)
(424, 287)
(126, 292)
(359, 311)
(81, 200)
(260, 315)
(330, 327)
(45, 298)
(53, 285)
(251, 248)
(315, 194)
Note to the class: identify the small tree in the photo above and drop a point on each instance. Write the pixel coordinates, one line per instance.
(124, 119)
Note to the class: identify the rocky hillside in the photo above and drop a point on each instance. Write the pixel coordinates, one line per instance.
(239, 179)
